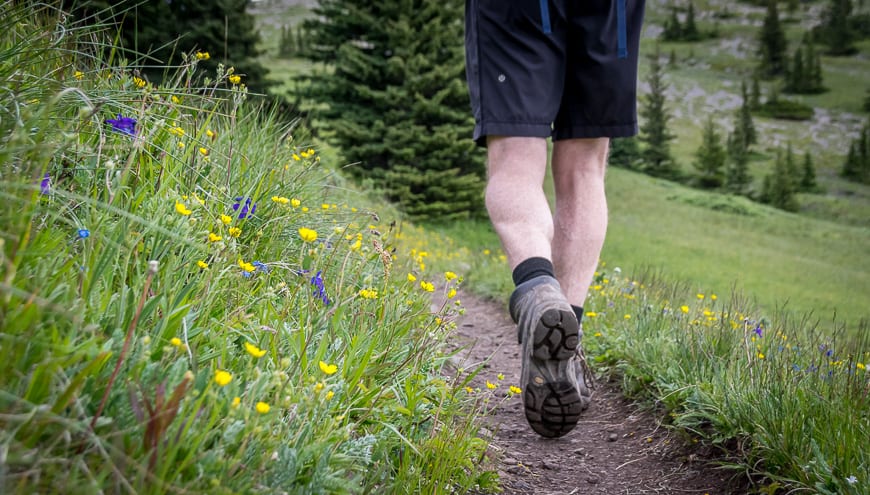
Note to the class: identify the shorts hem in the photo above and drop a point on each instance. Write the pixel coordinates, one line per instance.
(510, 129)
(595, 131)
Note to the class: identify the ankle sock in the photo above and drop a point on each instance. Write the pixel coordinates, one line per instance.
(578, 312)
(533, 268)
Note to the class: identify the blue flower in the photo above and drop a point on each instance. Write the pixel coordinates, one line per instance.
(84, 233)
(246, 208)
(320, 292)
(45, 184)
(758, 330)
(124, 125)
(262, 267)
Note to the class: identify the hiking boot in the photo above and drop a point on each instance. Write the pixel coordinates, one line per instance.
(554, 372)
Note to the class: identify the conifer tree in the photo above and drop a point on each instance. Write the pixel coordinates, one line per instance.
(673, 30)
(744, 119)
(654, 132)
(772, 44)
(737, 179)
(394, 100)
(867, 102)
(625, 153)
(857, 164)
(791, 168)
(690, 29)
(710, 158)
(164, 30)
(779, 187)
(808, 178)
(755, 94)
(836, 30)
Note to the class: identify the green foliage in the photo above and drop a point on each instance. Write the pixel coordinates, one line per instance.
(804, 75)
(710, 158)
(856, 166)
(781, 108)
(395, 101)
(189, 303)
(674, 30)
(625, 153)
(654, 132)
(808, 181)
(836, 30)
(156, 34)
(772, 44)
(779, 184)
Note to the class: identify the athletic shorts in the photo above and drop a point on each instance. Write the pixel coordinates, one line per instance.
(560, 68)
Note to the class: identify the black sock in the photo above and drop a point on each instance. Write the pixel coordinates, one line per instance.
(578, 311)
(533, 268)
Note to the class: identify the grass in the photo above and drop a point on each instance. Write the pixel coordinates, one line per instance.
(189, 292)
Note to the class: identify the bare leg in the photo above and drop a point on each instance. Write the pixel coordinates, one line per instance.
(581, 213)
(515, 198)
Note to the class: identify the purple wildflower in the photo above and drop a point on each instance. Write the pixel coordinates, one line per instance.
(261, 266)
(246, 208)
(320, 292)
(758, 330)
(45, 184)
(124, 125)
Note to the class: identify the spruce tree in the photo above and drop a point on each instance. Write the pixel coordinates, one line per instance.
(710, 158)
(690, 29)
(808, 178)
(755, 94)
(673, 30)
(779, 187)
(394, 100)
(744, 120)
(737, 179)
(836, 30)
(654, 132)
(772, 44)
(624, 153)
(791, 168)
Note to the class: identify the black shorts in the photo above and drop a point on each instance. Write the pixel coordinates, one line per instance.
(560, 68)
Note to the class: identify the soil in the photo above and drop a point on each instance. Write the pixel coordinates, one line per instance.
(616, 448)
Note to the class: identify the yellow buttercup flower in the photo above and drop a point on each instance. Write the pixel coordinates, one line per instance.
(254, 350)
(226, 219)
(79, 75)
(236, 401)
(451, 293)
(411, 277)
(262, 407)
(490, 385)
(280, 199)
(222, 378)
(295, 203)
(329, 369)
(684, 308)
(202, 264)
(235, 79)
(307, 234)
(202, 55)
(248, 267)
(182, 209)
(449, 276)
(175, 341)
(427, 286)
(368, 293)
(212, 237)
(235, 231)
(515, 390)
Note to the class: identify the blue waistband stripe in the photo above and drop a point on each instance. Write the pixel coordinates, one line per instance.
(545, 17)
(621, 34)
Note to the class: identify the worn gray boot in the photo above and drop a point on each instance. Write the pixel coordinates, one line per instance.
(554, 371)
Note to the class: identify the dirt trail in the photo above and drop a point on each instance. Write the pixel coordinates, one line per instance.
(615, 449)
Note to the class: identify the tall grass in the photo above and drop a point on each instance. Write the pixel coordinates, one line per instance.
(195, 302)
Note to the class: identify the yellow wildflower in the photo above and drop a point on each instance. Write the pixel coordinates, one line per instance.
(182, 209)
(591, 314)
(202, 264)
(254, 350)
(235, 231)
(469, 390)
(307, 235)
(684, 309)
(202, 55)
(222, 378)
(139, 82)
(490, 385)
(280, 199)
(329, 394)
(212, 237)
(760, 355)
(318, 386)
(451, 293)
(236, 401)
(175, 99)
(861, 366)
(211, 134)
(226, 219)
(235, 79)
(180, 145)
(246, 266)
(700, 296)
(500, 376)
(79, 75)
(368, 293)
(411, 277)
(177, 131)
(175, 341)
(329, 369)
(449, 276)
(627, 316)
(262, 407)
(295, 203)
(427, 286)
(515, 389)
(203, 151)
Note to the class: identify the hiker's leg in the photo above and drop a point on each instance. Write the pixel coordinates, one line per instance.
(581, 213)
(515, 197)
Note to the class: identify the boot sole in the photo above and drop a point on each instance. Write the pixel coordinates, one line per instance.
(552, 406)
(556, 335)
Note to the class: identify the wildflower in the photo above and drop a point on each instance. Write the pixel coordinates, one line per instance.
(180, 145)
(246, 266)
(597, 334)
(449, 276)
(235, 231)
(45, 184)
(124, 125)
(490, 385)
(246, 208)
(83, 233)
(330, 394)
(254, 350)
(182, 209)
(591, 314)
(684, 309)
(329, 369)
(222, 378)
(318, 387)
(861, 366)
(280, 199)
(700, 296)
(212, 237)
(296, 157)
(226, 219)
(500, 376)
(177, 131)
(307, 234)
(262, 407)
(427, 286)
(175, 99)
(469, 390)
(236, 401)
(295, 203)
(368, 293)
(235, 79)
(261, 267)
(758, 330)
(451, 293)
(79, 75)
(211, 134)
(320, 291)
(203, 151)
(411, 277)
(202, 264)
(175, 341)
(760, 355)
(852, 480)
(627, 316)
(139, 82)
(202, 55)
